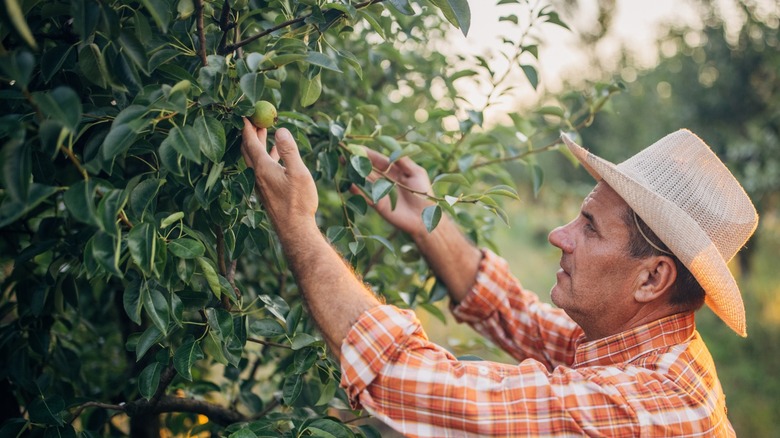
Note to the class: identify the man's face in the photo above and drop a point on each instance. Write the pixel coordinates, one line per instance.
(597, 276)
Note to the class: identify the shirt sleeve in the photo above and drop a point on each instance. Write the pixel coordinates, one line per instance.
(391, 369)
(499, 308)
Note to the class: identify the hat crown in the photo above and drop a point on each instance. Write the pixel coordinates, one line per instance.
(682, 169)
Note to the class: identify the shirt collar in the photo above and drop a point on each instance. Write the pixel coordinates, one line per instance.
(630, 344)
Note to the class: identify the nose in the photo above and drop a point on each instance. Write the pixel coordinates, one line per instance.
(561, 238)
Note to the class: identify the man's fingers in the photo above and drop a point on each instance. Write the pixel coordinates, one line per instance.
(380, 161)
(253, 144)
(288, 150)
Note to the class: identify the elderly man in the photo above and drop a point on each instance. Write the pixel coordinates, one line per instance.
(620, 356)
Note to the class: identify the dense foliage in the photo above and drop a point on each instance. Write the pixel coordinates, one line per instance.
(139, 274)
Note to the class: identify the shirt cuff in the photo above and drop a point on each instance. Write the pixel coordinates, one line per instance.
(374, 341)
(488, 291)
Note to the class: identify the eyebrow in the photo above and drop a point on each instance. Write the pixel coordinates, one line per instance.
(590, 218)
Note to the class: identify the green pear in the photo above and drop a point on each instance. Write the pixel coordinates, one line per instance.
(265, 114)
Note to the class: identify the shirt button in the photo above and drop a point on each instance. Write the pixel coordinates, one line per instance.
(483, 371)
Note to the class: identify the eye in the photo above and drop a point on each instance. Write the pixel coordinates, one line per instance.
(589, 227)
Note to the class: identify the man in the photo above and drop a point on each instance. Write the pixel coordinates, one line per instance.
(619, 356)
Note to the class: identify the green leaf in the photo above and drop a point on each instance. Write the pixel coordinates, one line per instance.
(327, 428)
(327, 394)
(213, 348)
(143, 194)
(186, 248)
(322, 60)
(531, 74)
(310, 90)
(108, 210)
(131, 300)
(456, 12)
(435, 311)
(454, 178)
(151, 336)
(156, 307)
(551, 111)
(171, 219)
(18, 66)
(553, 18)
(357, 204)
(86, 14)
(362, 165)
(11, 210)
(503, 190)
(292, 388)
(220, 322)
(266, 328)
(79, 201)
(211, 276)
(185, 141)
(537, 176)
(106, 251)
(380, 189)
(186, 355)
(17, 168)
(160, 12)
(431, 216)
(93, 65)
(253, 85)
(47, 410)
(170, 158)
(386, 243)
(149, 379)
(243, 433)
(141, 243)
(134, 50)
(16, 15)
(402, 6)
(301, 340)
(212, 137)
(127, 124)
(335, 233)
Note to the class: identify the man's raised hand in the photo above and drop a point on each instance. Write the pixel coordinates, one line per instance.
(287, 191)
(412, 186)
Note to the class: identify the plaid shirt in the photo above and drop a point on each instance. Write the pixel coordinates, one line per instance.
(654, 380)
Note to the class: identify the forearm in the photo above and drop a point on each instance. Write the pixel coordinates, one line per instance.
(453, 258)
(333, 293)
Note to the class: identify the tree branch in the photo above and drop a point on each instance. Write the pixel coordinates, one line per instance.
(165, 380)
(216, 413)
(201, 33)
(227, 49)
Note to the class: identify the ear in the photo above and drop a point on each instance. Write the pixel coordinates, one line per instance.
(656, 279)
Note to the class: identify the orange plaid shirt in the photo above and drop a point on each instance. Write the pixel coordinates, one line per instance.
(655, 380)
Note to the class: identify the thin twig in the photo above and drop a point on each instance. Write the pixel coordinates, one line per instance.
(80, 408)
(271, 406)
(268, 343)
(76, 162)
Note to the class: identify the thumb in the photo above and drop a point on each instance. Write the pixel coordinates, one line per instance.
(288, 149)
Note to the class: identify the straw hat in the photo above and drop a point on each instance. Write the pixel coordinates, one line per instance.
(691, 201)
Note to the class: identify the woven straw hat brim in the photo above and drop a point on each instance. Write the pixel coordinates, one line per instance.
(679, 231)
